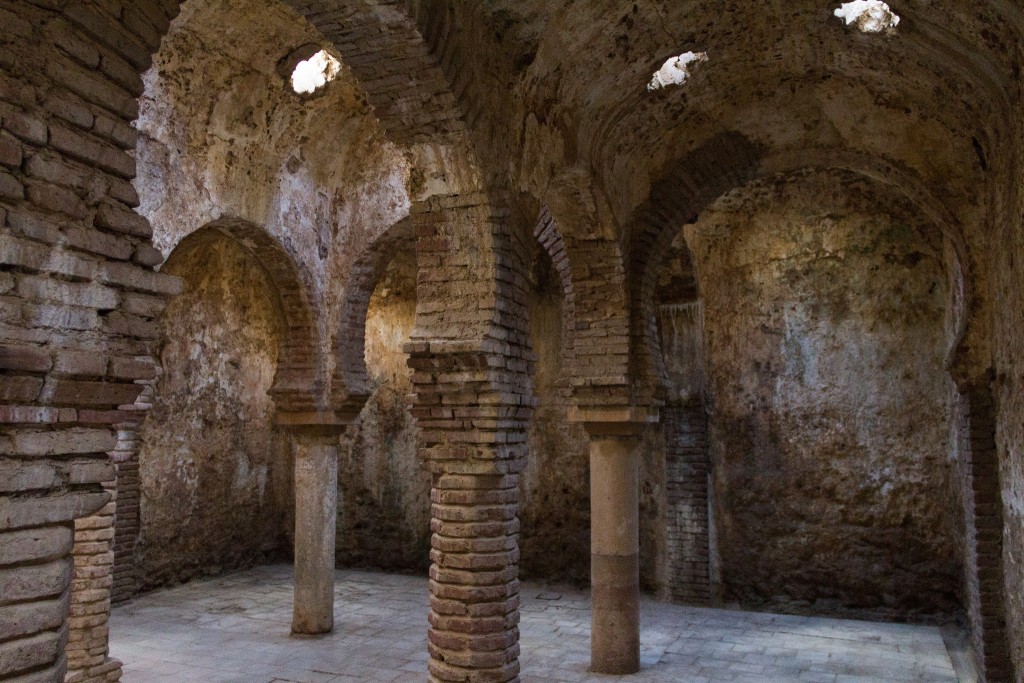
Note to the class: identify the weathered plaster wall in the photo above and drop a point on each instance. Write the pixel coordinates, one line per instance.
(215, 473)
(824, 301)
(384, 491)
(222, 135)
(1008, 259)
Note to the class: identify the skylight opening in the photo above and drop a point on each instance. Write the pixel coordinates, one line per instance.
(870, 16)
(314, 73)
(676, 70)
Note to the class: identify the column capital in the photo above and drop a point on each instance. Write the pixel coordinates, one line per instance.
(324, 423)
(624, 421)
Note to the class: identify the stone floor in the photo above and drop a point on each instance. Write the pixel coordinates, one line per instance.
(235, 628)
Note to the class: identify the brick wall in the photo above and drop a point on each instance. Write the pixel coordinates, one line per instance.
(981, 496)
(79, 297)
(88, 628)
(126, 516)
(686, 493)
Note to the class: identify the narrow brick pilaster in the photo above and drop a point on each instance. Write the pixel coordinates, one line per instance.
(88, 645)
(686, 484)
(983, 516)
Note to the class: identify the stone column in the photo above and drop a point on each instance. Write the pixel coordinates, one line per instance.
(614, 538)
(316, 509)
(315, 441)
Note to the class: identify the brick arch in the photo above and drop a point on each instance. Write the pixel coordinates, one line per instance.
(298, 385)
(382, 44)
(551, 240)
(350, 388)
(70, 96)
(688, 187)
(728, 162)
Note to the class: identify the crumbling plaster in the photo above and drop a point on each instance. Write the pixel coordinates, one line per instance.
(224, 136)
(823, 316)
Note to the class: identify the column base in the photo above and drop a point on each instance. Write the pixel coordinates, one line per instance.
(615, 614)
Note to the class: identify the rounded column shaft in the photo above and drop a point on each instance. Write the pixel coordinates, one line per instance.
(474, 586)
(615, 555)
(316, 502)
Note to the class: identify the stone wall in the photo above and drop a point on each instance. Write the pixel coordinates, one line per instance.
(215, 472)
(829, 402)
(303, 184)
(79, 296)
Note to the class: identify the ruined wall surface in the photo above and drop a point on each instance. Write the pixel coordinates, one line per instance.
(384, 491)
(215, 473)
(223, 136)
(1008, 323)
(824, 300)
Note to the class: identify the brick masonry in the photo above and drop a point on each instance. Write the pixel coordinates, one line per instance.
(76, 258)
(79, 296)
(88, 628)
(686, 493)
(980, 494)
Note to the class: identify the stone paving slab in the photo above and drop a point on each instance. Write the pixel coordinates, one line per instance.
(235, 629)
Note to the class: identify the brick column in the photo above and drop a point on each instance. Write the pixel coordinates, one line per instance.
(474, 585)
(474, 445)
(614, 537)
(315, 438)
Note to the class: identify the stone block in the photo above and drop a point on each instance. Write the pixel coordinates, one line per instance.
(61, 317)
(57, 199)
(34, 582)
(10, 151)
(111, 216)
(62, 442)
(80, 393)
(19, 389)
(52, 508)
(133, 277)
(88, 295)
(10, 187)
(37, 545)
(133, 368)
(91, 471)
(28, 653)
(17, 476)
(68, 362)
(26, 619)
(25, 126)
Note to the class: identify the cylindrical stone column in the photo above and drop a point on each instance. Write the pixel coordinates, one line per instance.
(615, 555)
(316, 503)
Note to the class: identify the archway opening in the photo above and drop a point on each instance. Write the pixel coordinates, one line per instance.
(384, 491)
(555, 485)
(215, 472)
